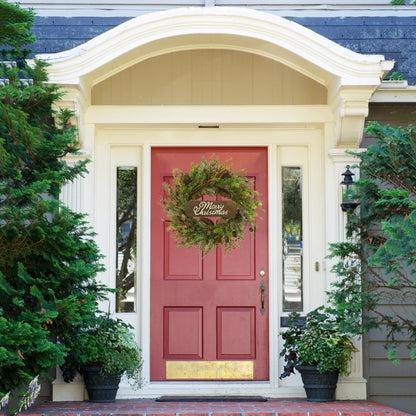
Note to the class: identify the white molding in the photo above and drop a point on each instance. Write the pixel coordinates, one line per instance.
(351, 388)
(73, 391)
(209, 114)
(394, 92)
(127, 136)
(350, 108)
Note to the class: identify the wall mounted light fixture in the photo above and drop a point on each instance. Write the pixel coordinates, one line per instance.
(348, 202)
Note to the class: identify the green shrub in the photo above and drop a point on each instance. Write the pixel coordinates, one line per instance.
(48, 258)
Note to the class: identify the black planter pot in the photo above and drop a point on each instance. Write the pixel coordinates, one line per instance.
(318, 387)
(100, 388)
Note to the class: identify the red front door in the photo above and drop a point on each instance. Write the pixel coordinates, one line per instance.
(207, 321)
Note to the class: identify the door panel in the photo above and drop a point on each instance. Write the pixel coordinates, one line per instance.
(236, 329)
(239, 265)
(182, 332)
(206, 322)
(176, 257)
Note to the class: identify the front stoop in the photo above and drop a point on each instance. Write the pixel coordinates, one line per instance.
(273, 407)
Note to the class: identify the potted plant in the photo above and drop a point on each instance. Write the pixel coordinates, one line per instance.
(318, 350)
(104, 352)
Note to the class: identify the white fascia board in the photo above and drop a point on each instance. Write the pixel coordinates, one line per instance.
(394, 92)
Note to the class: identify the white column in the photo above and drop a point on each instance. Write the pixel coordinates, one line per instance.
(73, 196)
(78, 196)
(354, 385)
(72, 193)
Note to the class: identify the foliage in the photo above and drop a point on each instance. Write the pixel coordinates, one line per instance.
(396, 76)
(377, 266)
(15, 26)
(319, 342)
(30, 394)
(48, 259)
(292, 203)
(212, 179)
(4, 400)
(109, 343)
(28, 398)
(397, 2)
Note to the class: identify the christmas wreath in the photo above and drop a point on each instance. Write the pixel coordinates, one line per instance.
(212, 179)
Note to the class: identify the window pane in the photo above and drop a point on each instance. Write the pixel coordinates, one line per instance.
(126, 238)
(292, 239)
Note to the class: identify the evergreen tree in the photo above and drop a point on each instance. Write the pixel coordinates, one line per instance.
(377, 266)
(48, 259)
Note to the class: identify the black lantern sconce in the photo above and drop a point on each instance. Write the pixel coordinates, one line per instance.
(348, 203)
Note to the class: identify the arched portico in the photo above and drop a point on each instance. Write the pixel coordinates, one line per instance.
(140, 87)
(350, 78)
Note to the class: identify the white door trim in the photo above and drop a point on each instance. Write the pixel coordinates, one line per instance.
(145, 139)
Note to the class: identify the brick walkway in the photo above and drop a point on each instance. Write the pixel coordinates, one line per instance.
(273, 407)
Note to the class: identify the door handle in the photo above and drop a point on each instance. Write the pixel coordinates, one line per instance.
(262, 289)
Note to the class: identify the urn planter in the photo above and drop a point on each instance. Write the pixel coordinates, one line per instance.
(318, 387)
(100, 388)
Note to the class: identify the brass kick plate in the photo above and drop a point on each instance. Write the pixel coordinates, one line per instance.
(209, 370)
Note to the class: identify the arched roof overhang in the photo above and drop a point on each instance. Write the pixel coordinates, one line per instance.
(349, 77)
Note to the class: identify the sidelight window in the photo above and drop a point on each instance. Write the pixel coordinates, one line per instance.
(126, 263)
(292, 243)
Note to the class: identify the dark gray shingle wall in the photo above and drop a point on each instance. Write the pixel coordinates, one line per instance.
(57, 34)
(393, 37)
(389, 384)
